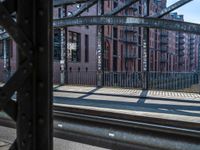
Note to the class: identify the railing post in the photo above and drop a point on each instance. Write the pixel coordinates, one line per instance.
(146, 51)
(63, 62)
(100, 46)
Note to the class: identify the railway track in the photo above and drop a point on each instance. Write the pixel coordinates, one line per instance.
(98, 127)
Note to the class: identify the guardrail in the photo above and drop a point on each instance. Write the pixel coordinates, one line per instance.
(185, 82)
(165, 81)
(117, 131)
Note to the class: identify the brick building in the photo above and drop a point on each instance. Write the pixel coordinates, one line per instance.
(75, 48)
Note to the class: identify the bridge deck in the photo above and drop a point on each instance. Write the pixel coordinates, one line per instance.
(159, 104)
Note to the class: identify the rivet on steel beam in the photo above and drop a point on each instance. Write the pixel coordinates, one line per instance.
(30, 135)
(27, 94)
(3, 96)
(41, 49)
(24, 71)
(30, 64)
(40, 120)
(23, 143)
(23, 116)
(26, 21)
(31, 52)
(41, 84)
(24, 44)
(29, 123)
(41, 12)
(3, 16)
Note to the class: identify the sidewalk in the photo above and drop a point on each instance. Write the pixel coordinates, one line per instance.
(129, 92)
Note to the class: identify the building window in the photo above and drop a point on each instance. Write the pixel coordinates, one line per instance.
(115, 47)
(115, 32)
(57, 44)
(59, 12)
(115, 4)
(86, 48)
(75, 46)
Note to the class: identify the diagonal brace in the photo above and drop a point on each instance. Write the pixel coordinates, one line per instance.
(14, 83)
(171, 8)
(10, 5)
(86, 6)
(121, 7)
(13, 29)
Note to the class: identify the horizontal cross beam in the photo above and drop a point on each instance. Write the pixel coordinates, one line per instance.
(67, 2)
(129, 21)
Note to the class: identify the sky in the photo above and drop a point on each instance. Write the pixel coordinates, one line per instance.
(191, 10)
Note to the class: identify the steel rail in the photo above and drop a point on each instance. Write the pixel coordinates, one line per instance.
(95, 128)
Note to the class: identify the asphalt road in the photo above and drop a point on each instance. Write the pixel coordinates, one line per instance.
(7, 136)
(180, 109)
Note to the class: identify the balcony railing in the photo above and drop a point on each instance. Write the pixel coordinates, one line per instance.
(181, 48)
(130, 41)
(164, 41)
(181, 42)
(130, 29)
(164, 34)
(130, 56)
(181, 54)
(164, 49)
(181, 62)
(163, 60)
(82, 78)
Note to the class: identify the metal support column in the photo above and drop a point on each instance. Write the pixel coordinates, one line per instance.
(34, 117)
(100, 46)
(63, 51)
(146, 51)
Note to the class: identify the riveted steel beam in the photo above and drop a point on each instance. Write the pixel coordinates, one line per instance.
(129, 21)
(11, 109)
(7, 22)
(34, 97)
(171, 8)
(67, 2)
(86, 6)
(10, 5)
(121, 7)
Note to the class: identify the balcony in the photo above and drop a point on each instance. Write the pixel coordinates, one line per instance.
(164, 49)
(181, 62)
(191, 47)
(163, 59)
(181, 42)
(191, 57)
(130, 29)
(164, 34)
(181, 54)
(131, 56)
(192, 62)
(181, 36)
(130, 41)
(164, 41)
(181, 48)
